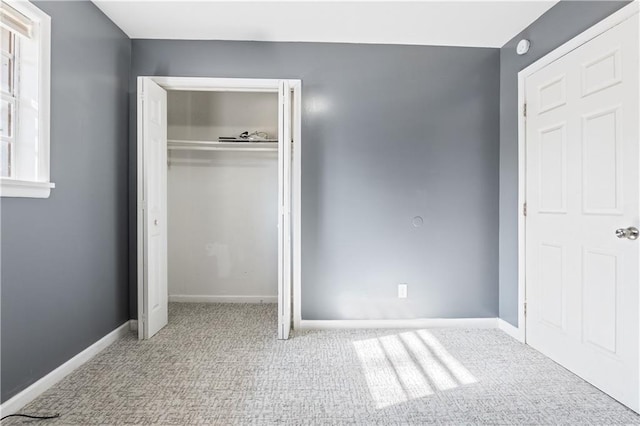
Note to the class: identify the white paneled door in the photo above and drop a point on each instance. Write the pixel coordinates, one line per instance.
(153, 197)
(284, 203)
(582, 189)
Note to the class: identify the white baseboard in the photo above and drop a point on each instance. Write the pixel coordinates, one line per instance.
(401, 323)
(133, 325)
(182, 298)
(511, 330)
(14, 404)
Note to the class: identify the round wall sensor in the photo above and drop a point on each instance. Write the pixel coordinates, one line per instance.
(417, 222)
(523, 47)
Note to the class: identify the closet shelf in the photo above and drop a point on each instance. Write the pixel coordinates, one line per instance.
(173, 144)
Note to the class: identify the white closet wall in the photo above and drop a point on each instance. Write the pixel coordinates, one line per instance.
(222, 205)
(208, 115)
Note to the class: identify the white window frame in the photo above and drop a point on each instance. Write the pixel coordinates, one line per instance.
(41, 186)
(11, 97)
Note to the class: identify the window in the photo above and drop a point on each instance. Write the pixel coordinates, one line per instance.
(24, 104)
(8, 100)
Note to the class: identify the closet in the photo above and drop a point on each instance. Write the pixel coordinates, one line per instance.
(215, 194)
(222, 197)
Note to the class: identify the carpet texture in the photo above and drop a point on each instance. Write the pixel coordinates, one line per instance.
(221, 364)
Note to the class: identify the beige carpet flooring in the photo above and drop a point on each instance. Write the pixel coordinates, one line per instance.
(221, 364)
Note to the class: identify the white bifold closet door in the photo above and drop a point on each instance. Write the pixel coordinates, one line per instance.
(152, 209)
(284, 202)
(152, 163)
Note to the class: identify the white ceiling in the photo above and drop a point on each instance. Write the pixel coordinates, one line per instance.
(443, 23)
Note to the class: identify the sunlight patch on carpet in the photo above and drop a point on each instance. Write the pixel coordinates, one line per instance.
(408, 365)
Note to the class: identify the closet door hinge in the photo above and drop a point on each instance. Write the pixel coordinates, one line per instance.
(525, 309)
(524, 110)
(524, 209)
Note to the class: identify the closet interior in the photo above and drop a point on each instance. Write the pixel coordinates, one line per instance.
(222, 196)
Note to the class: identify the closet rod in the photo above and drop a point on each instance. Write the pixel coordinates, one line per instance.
(269, 142)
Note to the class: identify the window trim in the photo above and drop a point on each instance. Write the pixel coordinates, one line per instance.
(40, 188)
(10, 97)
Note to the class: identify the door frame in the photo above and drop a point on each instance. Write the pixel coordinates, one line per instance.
(601, 27)
(232, 85)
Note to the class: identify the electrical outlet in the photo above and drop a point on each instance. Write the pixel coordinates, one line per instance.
(402, 291)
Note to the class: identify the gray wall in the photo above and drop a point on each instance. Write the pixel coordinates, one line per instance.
(557, 26)
(389, 133)
(65, 258)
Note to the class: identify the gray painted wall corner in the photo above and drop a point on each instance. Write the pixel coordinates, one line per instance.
(558, 25)
(65, 258)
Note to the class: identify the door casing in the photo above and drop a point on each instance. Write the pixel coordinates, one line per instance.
(232, 85)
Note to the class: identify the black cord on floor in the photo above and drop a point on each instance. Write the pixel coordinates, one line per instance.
(29, 416)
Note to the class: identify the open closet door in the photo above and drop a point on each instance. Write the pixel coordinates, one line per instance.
(284, 216)
(152, 207)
